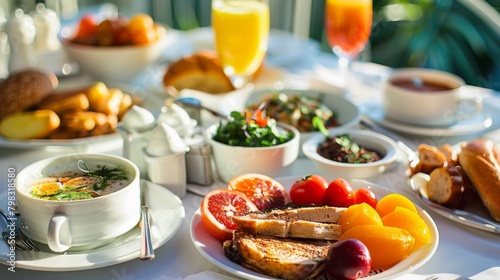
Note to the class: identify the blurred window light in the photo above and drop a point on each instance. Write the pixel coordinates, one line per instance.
(402, 12)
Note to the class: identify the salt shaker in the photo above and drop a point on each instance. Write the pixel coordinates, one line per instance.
(4, 55)
(4, 47)
(165, 158)
(21, 34)
(47, 26)
(136, 129)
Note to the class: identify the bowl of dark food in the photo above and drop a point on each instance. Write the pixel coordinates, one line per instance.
(248, 142)
(351, 153)
(78, 201)
(301, 108)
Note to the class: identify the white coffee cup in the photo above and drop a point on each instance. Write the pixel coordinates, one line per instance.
(78, 224)
(428, 97)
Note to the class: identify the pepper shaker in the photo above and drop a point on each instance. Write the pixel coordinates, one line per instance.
(199, 166)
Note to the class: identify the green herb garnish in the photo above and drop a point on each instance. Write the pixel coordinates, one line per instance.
(103, 173)
(318, 123)
(251, 130)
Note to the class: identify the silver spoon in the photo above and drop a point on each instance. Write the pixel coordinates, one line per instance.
(186, 102)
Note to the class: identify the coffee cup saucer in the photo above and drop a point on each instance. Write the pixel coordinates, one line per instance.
(475, 123)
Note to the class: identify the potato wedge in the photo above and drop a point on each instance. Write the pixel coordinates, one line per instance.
(29, 125)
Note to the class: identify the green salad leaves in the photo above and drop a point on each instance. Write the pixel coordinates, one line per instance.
(251, 130)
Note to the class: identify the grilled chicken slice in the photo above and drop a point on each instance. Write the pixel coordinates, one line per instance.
(303, 222)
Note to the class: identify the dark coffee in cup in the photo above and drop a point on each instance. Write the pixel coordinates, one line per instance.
(420, 85)
(428, 97)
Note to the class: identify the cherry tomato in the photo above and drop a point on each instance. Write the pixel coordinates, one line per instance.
(339, 193)
(309, 189)
(366, 195)
(87, 29)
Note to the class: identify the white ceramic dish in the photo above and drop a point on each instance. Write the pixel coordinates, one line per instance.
(348, 114)
(42, 143)
(212, 250)
(474, 215)
(167, 214)
(476, 123)
(364, 138)
(115, 63)
(231, 161)
(61, 224)
(149, 101)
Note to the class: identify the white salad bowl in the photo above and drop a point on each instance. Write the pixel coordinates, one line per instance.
(77, 224)
(347, 114)
(384, 145)
(231, 161)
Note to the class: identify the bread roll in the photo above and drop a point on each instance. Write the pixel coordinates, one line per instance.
(480, 160)
(74, 102)
(29, 125)
(24, 89)
(450, 187)
(200, 71)
(429, 158)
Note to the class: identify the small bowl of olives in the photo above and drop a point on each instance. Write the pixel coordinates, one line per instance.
(351, 153)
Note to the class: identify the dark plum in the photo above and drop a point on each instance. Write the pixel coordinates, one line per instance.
(348, 259)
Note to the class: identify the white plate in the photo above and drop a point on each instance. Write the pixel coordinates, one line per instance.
(149, 101)
(474, 215)
(167, 214)
(212, 249)
(476, 123)
(42, 143)
(348, 115)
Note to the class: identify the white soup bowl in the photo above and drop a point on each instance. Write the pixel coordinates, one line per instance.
(77, 224)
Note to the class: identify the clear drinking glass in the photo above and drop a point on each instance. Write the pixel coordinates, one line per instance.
(348, 26)
(241, 32)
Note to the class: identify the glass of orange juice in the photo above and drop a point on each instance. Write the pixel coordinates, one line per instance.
(241, 33)
(348, 26)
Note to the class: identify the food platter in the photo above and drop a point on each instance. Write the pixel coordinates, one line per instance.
(474, 215)
(167, 214)
(212, 250)
(150, 102)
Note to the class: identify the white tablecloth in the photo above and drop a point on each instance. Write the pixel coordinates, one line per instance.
(462, 250)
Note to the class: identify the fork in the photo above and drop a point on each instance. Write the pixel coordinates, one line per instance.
(11, 231)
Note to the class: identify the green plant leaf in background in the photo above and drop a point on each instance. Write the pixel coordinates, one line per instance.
(439, 34)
